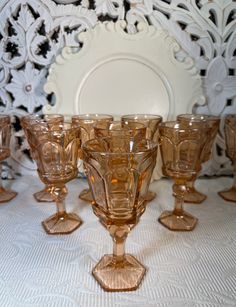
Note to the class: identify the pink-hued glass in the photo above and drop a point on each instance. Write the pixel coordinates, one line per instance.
(181, 149)
(230, 138)
(52, 120)
(213, 122)
(133, 130)
(119, 171)
(151, 122)
(5, 135)
(86, 122)
(56, 152)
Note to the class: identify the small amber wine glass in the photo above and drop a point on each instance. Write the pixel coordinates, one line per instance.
(56, 152)
(5, 135)
(86, 122)
(53, 120)
(213, 122)
(151, 122)
(181, 149)
(119, 171)
(230, 138)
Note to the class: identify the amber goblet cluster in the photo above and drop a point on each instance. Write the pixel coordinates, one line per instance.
(119, 158)
(119, 171)
(55, 150)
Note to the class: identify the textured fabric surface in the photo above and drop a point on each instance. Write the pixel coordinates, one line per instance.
(195, 268)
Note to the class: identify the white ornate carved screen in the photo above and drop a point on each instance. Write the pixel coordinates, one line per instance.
(119, 73)
(32, 33)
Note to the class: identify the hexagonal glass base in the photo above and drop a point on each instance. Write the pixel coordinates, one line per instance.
(61, 224)
(122, 276)
(6, 195)
(44, 195)
(86, 195)
(178, 222)
(150, 196)
(229, 195)
(193, 196)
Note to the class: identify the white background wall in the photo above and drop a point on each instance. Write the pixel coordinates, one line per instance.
(33, 32)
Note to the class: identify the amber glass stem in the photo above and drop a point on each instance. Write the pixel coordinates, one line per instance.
(61, 207)
(59, 193)
(190, 183)
(179, 190)
(119, 235)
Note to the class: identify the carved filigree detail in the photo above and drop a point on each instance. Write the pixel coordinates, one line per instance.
(32, 33)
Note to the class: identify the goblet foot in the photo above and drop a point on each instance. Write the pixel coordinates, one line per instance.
(150, 196)
(6, 195)
(44, 195)
(193, 196)
(229, 195)
(61, 223)
(119, 276)
(86, 195)
(182, 221)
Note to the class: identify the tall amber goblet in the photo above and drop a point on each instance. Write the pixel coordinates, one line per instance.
(133, 130)
(56, 153)
(86, 122)
(213, 122)
(5, 135)
(151, 122)
(52, 120)
(119, 171)
(230, 138)
(181, 149)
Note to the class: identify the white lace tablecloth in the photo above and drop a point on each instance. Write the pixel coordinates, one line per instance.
(195, 268)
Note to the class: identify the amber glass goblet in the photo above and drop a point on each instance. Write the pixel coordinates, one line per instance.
(230, 138)
(86, 122)
(133, 130)
(213, 122)
(52, 120)
(151, 122)
(181, 149)
(119, 171)
(56, 153)
(5, 135)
